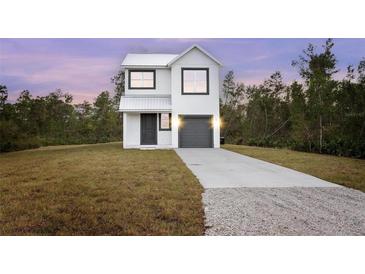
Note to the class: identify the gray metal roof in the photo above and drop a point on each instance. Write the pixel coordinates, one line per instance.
(145, 103)
(160, 60)
(148, 59)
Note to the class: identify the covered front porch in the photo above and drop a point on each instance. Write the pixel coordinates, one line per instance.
(146, 122)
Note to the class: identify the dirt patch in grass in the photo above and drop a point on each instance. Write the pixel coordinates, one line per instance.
(98, 190)
(341, 170)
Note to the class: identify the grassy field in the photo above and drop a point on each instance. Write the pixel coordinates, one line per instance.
(98, 190)
(341, 170)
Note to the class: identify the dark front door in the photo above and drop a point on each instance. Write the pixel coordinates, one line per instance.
(149, 129)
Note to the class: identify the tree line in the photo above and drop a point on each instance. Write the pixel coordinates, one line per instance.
(54, 119)
(32, 122)
(317, 114)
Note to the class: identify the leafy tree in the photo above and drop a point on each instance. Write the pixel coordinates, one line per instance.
(3, 96)
(231, 108)
(229, 88)
(85, 125)
(348, 136)
(119, 87)
(267, 109)
(106, 118)
(301, 134)
(317, 69)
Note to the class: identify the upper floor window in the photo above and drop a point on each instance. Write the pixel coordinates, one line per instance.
(195, 80)
(142, 79)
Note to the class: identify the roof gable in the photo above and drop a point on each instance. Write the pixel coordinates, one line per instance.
(190, 49)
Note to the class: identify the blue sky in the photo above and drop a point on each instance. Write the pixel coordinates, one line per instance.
(84, 67)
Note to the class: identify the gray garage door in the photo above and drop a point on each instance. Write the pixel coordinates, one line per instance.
(195, 131)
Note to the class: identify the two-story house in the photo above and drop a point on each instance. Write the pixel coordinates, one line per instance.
(170, 100)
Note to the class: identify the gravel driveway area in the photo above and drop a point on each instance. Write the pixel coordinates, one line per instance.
(284, 211)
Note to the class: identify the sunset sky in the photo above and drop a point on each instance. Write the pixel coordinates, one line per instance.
(84, 67)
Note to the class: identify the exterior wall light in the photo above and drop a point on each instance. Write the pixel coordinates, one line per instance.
(217, 122)
(176, 122)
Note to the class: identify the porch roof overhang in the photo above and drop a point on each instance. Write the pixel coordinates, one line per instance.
(145, 103)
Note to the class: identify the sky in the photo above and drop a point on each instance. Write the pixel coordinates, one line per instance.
(84, 67)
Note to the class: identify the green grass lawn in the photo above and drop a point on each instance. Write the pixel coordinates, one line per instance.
(341, 170)
(98, 190)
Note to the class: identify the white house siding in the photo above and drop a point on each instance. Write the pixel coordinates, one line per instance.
(131, 130)
(163, 83)
(195, 104)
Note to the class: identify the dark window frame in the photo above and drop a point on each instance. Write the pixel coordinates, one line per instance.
(159, 123)
(142, 70)
(182, 82)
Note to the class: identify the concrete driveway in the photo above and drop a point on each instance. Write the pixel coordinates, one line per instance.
(246, 196)
(220, 168)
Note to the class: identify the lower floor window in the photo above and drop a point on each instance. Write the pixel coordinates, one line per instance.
(165, 121)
